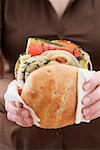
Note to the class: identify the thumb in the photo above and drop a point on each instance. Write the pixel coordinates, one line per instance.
(18, 104)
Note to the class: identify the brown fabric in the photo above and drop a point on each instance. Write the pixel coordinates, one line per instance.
(81, 24)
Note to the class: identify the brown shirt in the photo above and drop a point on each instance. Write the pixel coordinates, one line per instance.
(80, 24)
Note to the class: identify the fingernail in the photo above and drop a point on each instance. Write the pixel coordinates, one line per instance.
(87, 117)
(98, 82)
(18, 104)
(86, 101)
(28, 120)
(87, 111)
(86, 86)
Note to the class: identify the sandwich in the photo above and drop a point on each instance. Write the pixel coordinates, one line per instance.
(47, 76)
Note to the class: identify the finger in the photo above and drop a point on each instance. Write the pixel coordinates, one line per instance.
(24, 124)
(92, 97)
(25, 113)
(95, 115)
(11, 108)
(93, 82)
(28, 121)
(91, 111)
(20, 120)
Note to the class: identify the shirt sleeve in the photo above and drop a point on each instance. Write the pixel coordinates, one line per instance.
(5, 78)
(1, 26)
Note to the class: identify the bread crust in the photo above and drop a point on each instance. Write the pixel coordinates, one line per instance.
(51, 91)
(67, 44)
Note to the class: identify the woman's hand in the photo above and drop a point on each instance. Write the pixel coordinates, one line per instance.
(92, 100)
(17, 113)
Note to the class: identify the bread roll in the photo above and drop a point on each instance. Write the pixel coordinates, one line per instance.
(51, 91)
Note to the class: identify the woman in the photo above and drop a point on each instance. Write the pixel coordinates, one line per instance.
(77, 21)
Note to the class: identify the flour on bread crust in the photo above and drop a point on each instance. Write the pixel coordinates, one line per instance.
(51, 91)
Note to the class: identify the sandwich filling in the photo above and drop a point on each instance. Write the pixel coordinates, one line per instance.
(27, 63)
(43, 52)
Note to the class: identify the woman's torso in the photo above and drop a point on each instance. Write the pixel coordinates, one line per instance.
(80, 24)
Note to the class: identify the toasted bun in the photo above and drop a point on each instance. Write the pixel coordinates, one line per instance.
(51, 91)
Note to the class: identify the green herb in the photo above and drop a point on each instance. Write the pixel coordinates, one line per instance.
(37, 65)
(47, 62)
(79, 58)
(47, 41)
(24, 53)
(74, 49)
(28, 64)
(24, 75)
